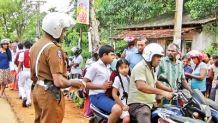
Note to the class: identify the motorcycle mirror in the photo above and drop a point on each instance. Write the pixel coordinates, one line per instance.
(163, 78)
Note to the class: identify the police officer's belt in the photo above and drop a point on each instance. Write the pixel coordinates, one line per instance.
(49, 85)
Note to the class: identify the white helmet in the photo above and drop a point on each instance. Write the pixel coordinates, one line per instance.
(152, 49)
(53, 23)
(5, 41)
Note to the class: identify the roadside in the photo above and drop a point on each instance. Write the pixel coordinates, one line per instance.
(7, 114)
(73, 114)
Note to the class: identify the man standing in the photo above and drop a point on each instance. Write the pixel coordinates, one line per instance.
(172, 68)
(134, 58)
(130, 46)
(49, 71)
(144, 84)
(76, 64)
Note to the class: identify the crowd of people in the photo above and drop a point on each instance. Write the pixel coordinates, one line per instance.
(45, 65)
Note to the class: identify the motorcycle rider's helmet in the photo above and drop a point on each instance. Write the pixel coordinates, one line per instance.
(196, 53)
(152, 49)
(53, 23)
(130, 40)
(76, 50)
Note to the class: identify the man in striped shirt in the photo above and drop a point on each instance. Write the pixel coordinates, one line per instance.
(172, 68)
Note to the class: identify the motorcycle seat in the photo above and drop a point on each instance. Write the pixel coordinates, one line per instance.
(212, 104)
(99, 111)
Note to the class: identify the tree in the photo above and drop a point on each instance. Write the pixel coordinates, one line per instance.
(202, 8)
(15, 15)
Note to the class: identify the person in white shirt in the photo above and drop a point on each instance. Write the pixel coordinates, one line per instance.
(25, 83)
(76, 64)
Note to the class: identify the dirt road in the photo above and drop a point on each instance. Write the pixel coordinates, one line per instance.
(26, 115)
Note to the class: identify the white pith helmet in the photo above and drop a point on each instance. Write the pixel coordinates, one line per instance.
(53, 23)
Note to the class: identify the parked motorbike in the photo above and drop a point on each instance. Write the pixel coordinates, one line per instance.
(166, 118)
(213, 106)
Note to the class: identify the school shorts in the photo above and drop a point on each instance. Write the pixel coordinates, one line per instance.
(102, 101)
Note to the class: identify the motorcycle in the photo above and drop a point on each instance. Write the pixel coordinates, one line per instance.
(187, 112)
(213, 106)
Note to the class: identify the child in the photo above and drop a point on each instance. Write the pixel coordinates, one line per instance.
(187, 68)
(97, 81)
(121, 84)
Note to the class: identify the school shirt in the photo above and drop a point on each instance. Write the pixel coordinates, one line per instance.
(98, 73)
(79, 60)
(21, 59)
(117, 84)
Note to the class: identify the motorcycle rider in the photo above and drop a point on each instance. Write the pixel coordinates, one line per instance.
(144, 85)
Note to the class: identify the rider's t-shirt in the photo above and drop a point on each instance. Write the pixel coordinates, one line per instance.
(200, 84)
(128, 50)
(98, 73)
(141, 71)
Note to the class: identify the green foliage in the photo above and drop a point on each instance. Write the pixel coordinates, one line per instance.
(15, 16)
(201, 8)
(212, 50)
(130, 11)
(76, 99)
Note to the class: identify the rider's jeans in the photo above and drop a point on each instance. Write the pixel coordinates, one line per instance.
(141, 112)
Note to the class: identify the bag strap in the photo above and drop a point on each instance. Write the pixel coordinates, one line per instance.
(124, 92)
(37, 59)
(121, 82)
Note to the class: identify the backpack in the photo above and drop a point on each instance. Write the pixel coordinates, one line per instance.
(26, 62)
(16, 62)
(108, 92)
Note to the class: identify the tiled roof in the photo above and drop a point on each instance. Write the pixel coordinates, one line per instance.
(150, 34)
(167, 20)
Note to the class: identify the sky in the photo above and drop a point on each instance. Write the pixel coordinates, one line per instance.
(61, 5)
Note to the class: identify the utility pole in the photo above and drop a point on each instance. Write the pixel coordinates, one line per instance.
(93, 23)
(38, 3)
(178, 23)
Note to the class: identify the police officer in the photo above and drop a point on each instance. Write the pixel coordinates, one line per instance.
(49, 72)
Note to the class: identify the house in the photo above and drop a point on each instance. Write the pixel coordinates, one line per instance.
(160, 29)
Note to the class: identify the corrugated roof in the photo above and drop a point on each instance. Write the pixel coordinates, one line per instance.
(150, 34)
(167, 20)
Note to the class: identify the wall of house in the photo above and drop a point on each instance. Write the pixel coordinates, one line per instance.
(201, 40)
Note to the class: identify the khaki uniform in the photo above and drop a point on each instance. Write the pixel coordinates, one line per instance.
(51, 61)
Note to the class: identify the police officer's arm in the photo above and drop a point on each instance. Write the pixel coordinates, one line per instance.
(62, 82)
(145, 88)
